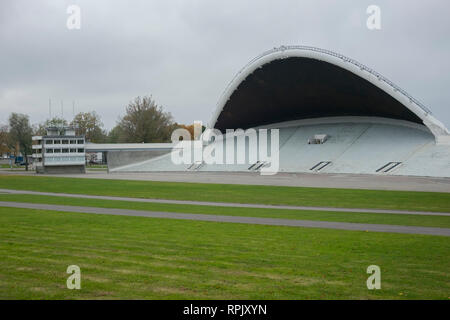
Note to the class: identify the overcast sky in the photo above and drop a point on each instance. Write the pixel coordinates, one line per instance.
(185, 52)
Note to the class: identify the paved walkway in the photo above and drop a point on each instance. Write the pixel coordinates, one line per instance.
(234, 219)
(227, 204)
(319, 180)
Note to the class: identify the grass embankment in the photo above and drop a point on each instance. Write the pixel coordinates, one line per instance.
(356, 217)
(96, 167)
(349, 198)
(134, 257)
(7, 166)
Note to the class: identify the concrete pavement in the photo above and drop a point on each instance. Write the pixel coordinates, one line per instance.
(318, 180)
(225, 204)
(235, 219)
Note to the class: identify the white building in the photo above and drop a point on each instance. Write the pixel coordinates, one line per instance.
(60, 151)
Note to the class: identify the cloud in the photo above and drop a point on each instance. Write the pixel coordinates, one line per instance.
(184, 53)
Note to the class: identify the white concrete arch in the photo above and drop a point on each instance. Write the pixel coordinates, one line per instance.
(441, 133)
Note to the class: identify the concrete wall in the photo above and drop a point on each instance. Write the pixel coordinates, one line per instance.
(63, 169)
(118, 159)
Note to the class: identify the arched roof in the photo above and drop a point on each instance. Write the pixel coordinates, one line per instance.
(299, 82)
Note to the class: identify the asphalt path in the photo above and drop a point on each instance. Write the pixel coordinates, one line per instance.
(319, 180)
(235, 219)
(226, 204)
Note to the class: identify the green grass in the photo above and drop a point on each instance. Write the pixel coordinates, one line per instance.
(7, 166)
(394, 219)
(148, 258)
(97, 166)
(144, 258)
(401, 200)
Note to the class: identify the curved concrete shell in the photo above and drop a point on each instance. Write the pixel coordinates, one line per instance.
(299, 82)
(332, 115)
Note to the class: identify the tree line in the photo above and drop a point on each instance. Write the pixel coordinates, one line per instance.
(144, 121)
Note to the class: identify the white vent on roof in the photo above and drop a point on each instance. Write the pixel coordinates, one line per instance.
(258, 165)
(389, 166)
(318, 139)
(196, 165)
(319, 166)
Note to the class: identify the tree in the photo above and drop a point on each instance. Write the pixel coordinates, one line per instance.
(20, 134)
(145, 121)
(90, 125)
(41, 129)
(191, 130)
(4, 140)
(116, 135)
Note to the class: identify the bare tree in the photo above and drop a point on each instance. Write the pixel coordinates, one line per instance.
(40, 130)
(4, 140)
(20, 133)
(90, 125)
(145, 121)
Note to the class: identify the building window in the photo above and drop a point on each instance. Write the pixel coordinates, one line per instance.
(57, 151)
(73, 141)
(73, 150)
(80, 141)
(65, 150)
(48, 141)
(81, 150)
(49, 150)
(57, 142)
(65, 141)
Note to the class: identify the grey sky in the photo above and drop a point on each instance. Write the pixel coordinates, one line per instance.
(185, 52)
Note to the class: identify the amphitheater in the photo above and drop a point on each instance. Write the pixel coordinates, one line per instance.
(334, 115)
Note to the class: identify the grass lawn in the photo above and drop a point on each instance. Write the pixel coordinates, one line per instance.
(395, 219)
(96, 166)
(401, 200)
(7, 166)
(135, 257)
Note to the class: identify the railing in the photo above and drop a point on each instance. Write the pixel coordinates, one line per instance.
(337, 55)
